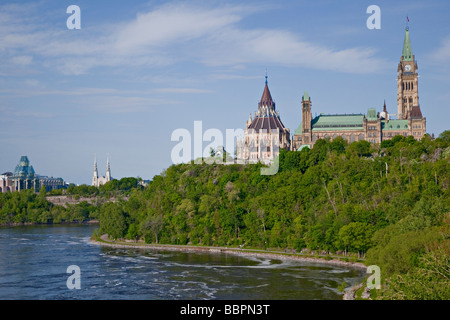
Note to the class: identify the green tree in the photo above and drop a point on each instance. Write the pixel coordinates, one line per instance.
(151, 227)
(355, 237)
(398, 252)
(113, 220)
(430, 280)
(43, 191)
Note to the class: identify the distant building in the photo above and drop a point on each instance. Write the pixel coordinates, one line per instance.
(51, 183)
(144, 183)
(25, 178)
(6, 184)
(373, 127)
(97, 180)
(264, 135)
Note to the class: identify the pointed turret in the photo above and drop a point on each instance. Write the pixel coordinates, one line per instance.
(306, 96)
(384, 114)
(266, 96)
(95, 175)
(95, 167)
(108, 170)
(266, 99)
(407, 51)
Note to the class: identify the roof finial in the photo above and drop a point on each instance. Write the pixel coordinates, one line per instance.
(266, 75)
(407, 22)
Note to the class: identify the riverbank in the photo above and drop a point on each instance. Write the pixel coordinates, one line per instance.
(104, 241)
(25, 224)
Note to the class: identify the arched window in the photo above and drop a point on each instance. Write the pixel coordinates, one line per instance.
(360, 137)
(352, 138)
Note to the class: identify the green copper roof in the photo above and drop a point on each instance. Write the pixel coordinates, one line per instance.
(407, 51)
(306, 96)
(338, 122)
(299, 129)
(393, 125)
(372, 114)
(24, 170)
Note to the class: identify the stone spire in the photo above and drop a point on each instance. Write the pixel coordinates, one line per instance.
(108, 169)
(95, 167)
(95, 175)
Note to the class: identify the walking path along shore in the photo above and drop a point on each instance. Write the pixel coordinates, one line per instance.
(104, 241)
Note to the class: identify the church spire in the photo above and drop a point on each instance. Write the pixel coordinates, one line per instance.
(407, 51)
(95, 166)
(108, 169)
(95, 175)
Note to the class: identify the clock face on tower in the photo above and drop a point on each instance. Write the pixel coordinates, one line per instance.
(407, 68)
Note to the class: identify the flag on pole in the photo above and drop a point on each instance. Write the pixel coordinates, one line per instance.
(407, 18)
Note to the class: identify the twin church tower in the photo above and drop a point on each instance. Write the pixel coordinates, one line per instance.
(266, 131)
(97, 180)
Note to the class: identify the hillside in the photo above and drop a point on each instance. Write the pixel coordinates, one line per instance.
(388, 203)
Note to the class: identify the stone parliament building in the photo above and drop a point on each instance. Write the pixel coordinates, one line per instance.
(374, 126)
(266, 128)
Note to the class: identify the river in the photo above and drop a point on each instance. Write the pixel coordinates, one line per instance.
(34, 262)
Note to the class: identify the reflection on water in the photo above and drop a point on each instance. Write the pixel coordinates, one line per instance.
(34, 260)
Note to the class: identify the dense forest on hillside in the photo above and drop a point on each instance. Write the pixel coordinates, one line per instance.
(388, 203)
(334, 197)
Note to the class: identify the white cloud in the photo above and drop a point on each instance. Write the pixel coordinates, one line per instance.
(285, 48)
(172, 24)
(171, 34)
(82, 92)
(182, 90)
(22, 60)
(443, 52)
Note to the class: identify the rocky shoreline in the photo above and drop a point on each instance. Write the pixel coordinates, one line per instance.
(235, 251)
(25, 224)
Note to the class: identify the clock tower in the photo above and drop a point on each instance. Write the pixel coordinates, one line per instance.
(407, 81)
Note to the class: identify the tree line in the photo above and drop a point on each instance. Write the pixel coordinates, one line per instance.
(28, 207)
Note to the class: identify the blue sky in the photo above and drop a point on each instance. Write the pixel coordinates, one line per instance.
(138, 70)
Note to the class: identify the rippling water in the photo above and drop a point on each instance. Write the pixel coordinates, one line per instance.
(34, 261)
